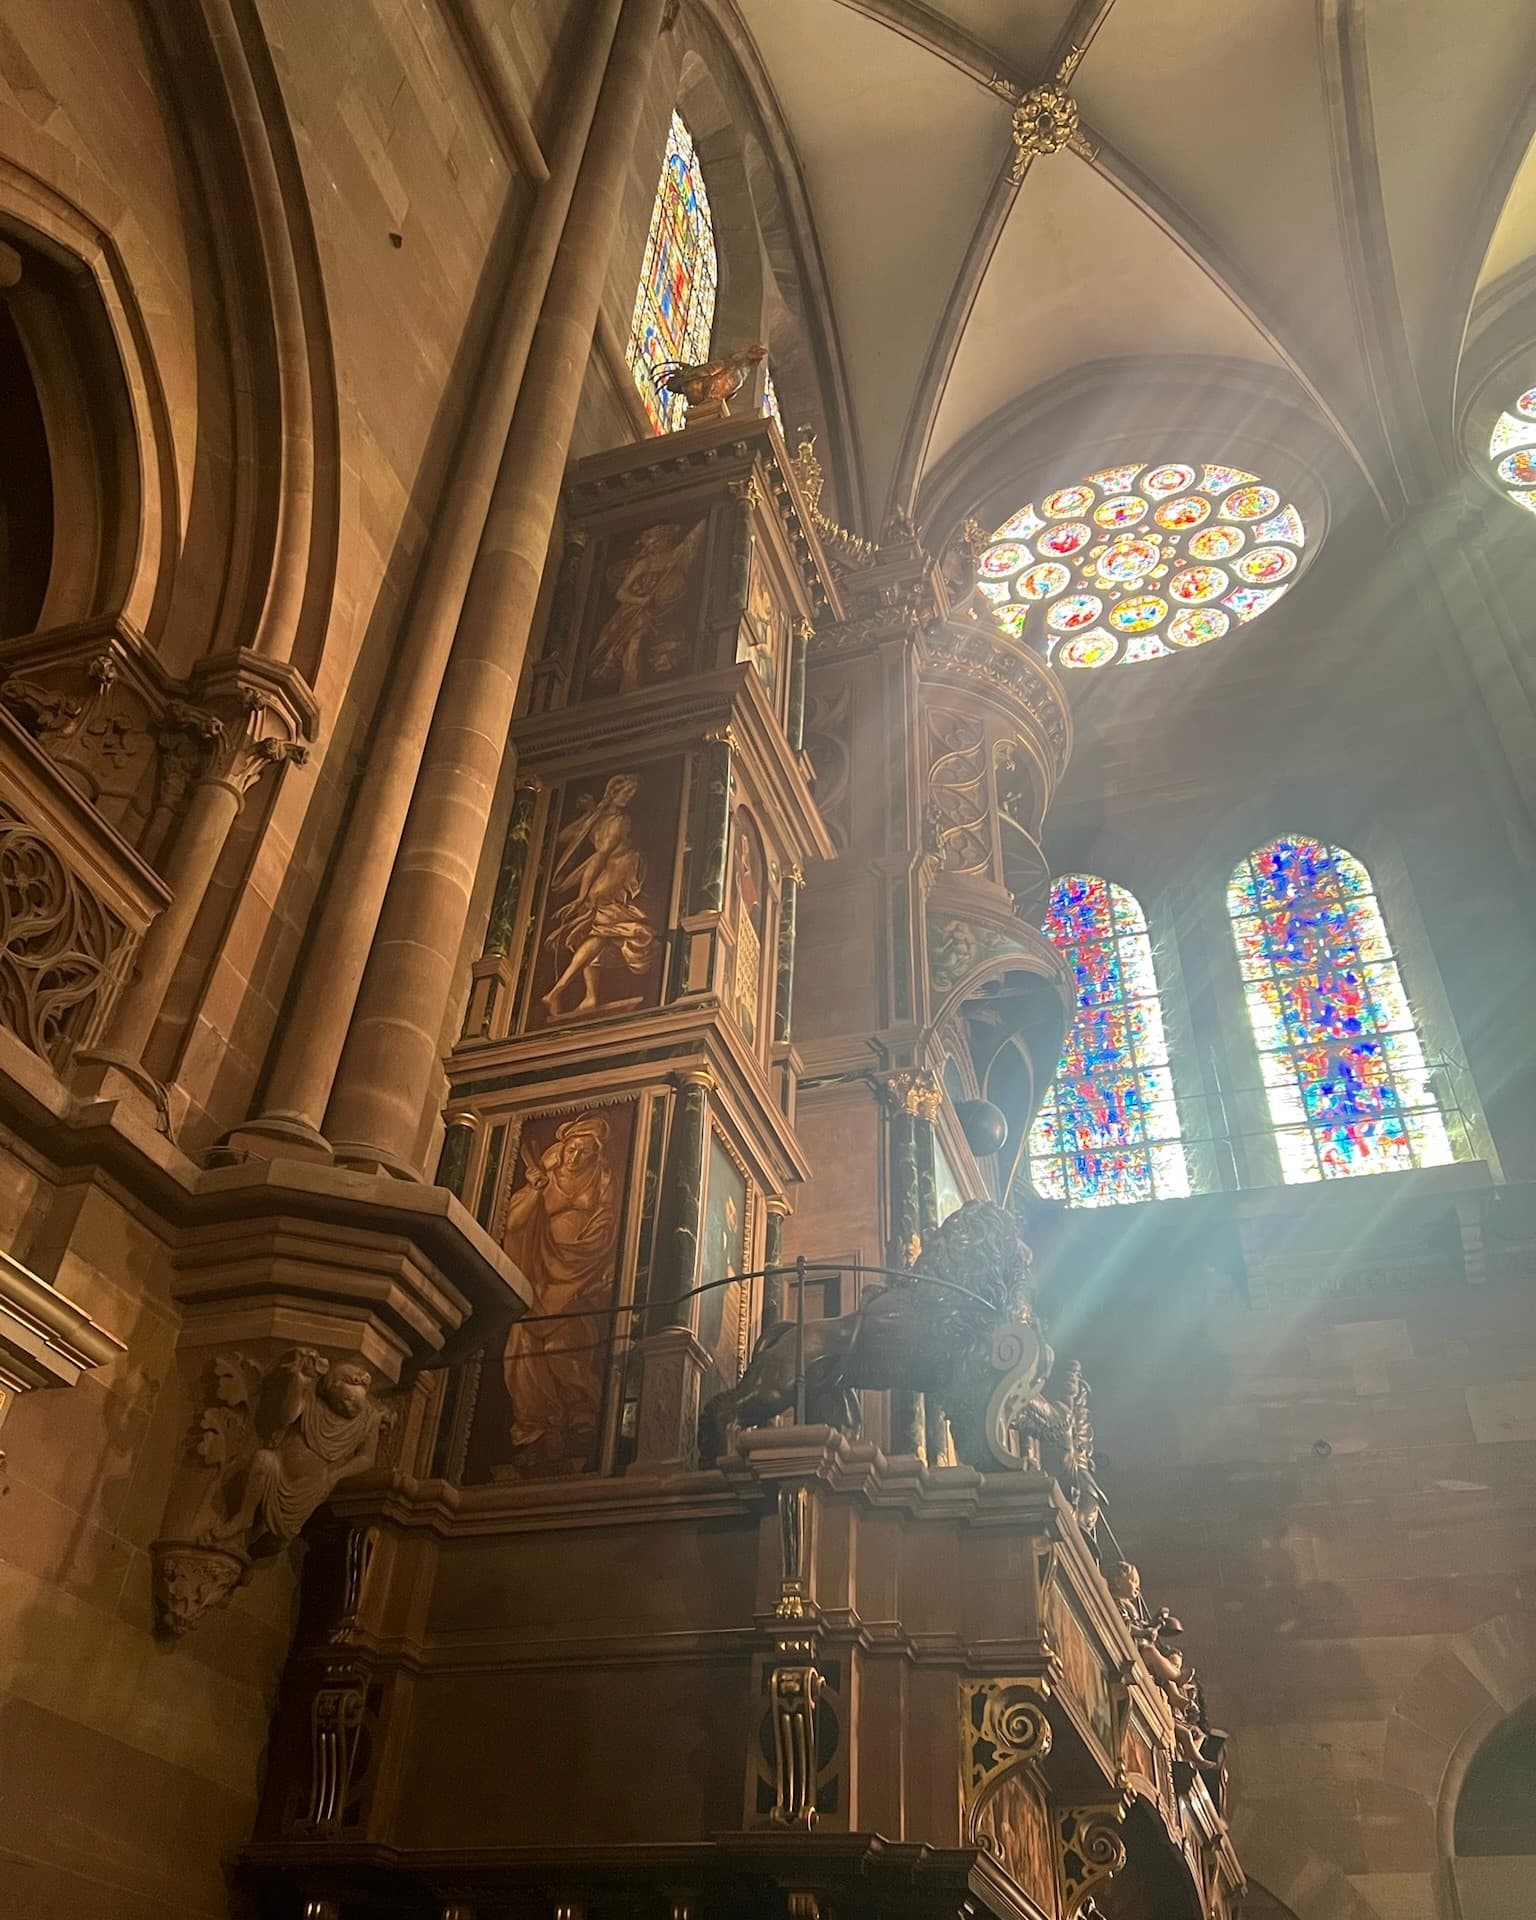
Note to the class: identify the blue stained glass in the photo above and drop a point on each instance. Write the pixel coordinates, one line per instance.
(1341, 1060)
(1108, 1132)
(771, 401)
(675, 301)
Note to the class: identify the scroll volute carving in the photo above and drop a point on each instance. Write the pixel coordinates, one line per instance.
(273, 1440)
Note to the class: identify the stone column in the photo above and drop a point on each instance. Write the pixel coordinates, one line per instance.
(214, 755)
(390, 1064)
(325, 991)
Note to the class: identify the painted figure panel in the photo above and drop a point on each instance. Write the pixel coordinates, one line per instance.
(538, 1413)
(764, 630)
(1014, 1825)
(646, 612)
(608, 905)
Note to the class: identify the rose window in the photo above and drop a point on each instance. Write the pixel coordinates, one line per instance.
(1137, 562)
(1512, 449)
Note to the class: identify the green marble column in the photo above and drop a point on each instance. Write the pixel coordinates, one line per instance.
(784, 965)
(682, 1201)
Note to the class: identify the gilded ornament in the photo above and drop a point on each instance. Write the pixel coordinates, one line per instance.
(707, 385)
(794, 1690)
(1091, 1851)
(1045, 119)
(914, 1092)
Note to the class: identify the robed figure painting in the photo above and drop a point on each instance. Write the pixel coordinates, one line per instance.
(562, 1229)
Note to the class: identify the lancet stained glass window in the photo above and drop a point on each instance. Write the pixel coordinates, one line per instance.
(1339, 1052)
(771, 401)
(1512, 449)
(1141, 562)
(675, 301)
(1109, 1129)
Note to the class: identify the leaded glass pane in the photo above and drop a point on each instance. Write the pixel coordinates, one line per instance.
(1109, 1130)
(675, 301)
(1342, 1064)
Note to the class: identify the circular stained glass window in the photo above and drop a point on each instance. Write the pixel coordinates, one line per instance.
(1512, 451)
(1122, 567)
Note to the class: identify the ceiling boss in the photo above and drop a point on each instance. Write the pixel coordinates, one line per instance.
(1046, 118)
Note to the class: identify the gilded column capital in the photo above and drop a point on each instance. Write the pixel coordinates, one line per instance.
(912, 1091)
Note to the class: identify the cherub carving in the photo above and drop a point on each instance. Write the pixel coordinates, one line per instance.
(1198, 1744)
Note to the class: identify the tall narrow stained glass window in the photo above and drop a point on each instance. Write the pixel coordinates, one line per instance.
(1109, 1131)
(675, 301)
(771, 401)
(1342, 1064)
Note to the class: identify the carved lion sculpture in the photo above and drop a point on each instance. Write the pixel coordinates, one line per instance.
(961, 1329)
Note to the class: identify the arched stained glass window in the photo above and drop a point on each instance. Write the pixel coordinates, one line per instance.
(675, 301)
(1109, 1129)
(1342, 1063)
(1512, 449)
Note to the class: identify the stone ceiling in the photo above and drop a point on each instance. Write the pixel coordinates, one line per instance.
(1318, 189)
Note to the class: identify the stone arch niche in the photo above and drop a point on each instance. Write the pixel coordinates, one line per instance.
(82, 504)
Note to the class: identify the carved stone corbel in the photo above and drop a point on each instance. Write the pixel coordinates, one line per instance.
(274, 1440)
